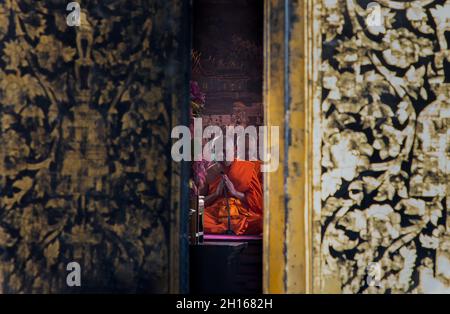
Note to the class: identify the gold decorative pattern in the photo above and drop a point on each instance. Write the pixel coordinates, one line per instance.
(385, 146)
(85, 164)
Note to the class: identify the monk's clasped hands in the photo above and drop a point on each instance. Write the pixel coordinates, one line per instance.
(229, 185)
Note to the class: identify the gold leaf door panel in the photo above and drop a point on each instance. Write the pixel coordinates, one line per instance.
(85, 167)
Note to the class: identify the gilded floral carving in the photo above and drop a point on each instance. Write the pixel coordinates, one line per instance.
(85, 123)
(385, 147)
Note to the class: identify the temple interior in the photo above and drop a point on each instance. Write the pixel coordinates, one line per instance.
(99, 98)
(227, 70)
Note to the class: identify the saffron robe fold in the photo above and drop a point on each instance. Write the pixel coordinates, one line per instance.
(246, 216)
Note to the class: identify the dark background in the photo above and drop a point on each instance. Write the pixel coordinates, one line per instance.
(228, 52)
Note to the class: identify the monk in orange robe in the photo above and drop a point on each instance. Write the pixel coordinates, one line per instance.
(241, 181)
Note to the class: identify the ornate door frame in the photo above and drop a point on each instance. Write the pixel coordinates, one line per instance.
(292, 101)
(289, 97)
(296, 259)
(179, 197)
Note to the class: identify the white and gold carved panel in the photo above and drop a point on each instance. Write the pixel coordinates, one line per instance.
(383, 223)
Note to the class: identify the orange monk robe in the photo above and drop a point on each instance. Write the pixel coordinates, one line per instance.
(246, 217)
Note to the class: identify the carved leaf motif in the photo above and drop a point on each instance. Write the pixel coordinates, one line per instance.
(52, 252)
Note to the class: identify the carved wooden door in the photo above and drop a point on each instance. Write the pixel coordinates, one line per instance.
(86, 174)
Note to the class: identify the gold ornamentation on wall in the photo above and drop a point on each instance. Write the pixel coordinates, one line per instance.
(385, 159)
(85, 165)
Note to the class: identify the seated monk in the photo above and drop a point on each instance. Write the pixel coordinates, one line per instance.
(241, 182)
